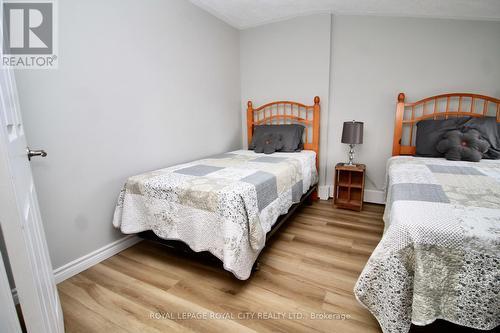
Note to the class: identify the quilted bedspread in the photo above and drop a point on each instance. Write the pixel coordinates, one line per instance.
(439, 257)
(224, 204)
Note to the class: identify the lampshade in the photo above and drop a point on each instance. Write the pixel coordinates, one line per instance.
(352, 133)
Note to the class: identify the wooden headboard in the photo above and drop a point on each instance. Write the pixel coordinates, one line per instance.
(286, 112)
(437, 107)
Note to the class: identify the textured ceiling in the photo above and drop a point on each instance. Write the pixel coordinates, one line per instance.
(250, 13)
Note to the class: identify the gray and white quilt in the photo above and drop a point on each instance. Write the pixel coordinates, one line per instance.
(439, 257)
(224, 204)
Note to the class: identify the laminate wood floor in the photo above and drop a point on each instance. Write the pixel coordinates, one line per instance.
(308, 269)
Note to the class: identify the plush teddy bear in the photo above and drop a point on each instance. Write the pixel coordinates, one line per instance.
(269, 143)
(463, 146)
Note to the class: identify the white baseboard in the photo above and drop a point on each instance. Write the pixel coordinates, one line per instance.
(372, 196)
(324, 192)
(78, 265)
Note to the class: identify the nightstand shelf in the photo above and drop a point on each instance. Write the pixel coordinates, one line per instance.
(349, 186)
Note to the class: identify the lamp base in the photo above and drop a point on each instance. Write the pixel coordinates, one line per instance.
(351, 156)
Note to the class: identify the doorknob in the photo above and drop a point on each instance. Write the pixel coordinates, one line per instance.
(32, 153)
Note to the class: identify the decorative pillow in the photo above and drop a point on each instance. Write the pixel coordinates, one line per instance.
(291, 136)
(490, 131)
(463, 146)
(269, 143)
(431, 131)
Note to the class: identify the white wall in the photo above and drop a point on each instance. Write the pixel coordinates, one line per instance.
(375, 58)
(287, 60)
(141, 85)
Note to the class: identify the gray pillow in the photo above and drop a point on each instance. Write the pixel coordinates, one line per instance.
(269, 143)
(463, 146)
(430, 132)
(291, 136)
(490, 131)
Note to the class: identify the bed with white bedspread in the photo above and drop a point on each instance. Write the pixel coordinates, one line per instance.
(223, 204)
(439, 257)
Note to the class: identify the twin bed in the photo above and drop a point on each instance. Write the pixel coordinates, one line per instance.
(439, 257)
(228, 204)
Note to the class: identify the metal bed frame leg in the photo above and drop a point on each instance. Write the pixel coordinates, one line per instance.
(256, 266)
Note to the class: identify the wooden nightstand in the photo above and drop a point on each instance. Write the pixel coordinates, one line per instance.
(349, 186)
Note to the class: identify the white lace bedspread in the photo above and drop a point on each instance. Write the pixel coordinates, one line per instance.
(224, 204)
(439, 257)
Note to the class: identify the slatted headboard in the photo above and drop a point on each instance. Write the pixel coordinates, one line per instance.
(437, 107)
(286, 112)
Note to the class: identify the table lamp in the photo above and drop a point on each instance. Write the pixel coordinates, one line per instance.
(352, 134)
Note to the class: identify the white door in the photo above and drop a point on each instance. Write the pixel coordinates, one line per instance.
(21, 222)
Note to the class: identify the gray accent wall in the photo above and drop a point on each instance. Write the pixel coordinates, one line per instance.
(358, 65)
(287, 60)
(375, 58)
(141, 85)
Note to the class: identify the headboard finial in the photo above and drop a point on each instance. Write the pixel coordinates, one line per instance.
(316, 100)
(249, 104)
(401, 97)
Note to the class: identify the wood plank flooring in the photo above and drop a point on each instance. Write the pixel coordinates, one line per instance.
(309, 268)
